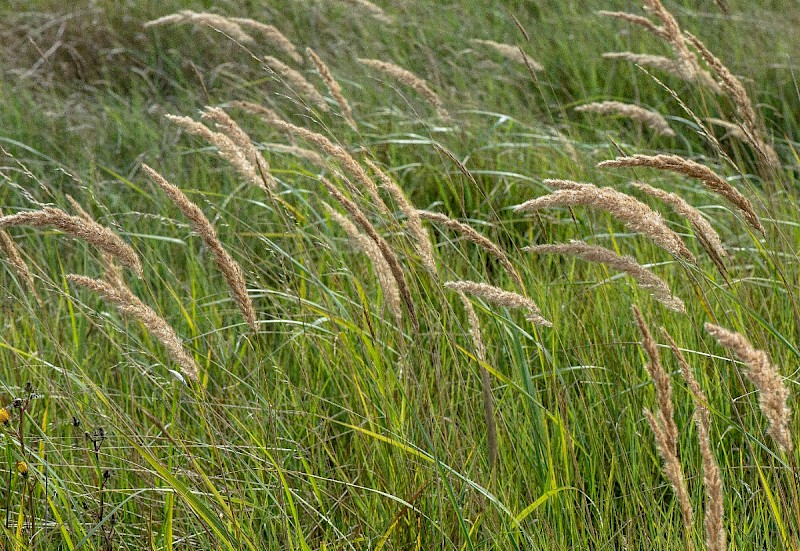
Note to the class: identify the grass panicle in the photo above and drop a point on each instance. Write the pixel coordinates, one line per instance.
(296, 82)
(213, 20)
(12, 254)
(333, 87)
(271, 35)
(655, 121)
(500, 297)
(510, 52)
(411, 80)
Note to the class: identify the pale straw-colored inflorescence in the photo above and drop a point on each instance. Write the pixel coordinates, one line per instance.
(501, 297)
(230, 268)
(472, 235)
(86, 230)
(411, 80)
(662, 422)
(510, 52)
(391, 292)
(213, 20)
(773, 394)
(659, 62)
(130, 305)
(651, 119)
(374, 11)
(595, 253)
(692, 169)
(707, 236)
(11, 252)
(333, 87)
(634, 214)
(272, 35)
(296, 82)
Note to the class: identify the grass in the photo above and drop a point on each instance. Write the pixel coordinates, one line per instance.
(335, 426)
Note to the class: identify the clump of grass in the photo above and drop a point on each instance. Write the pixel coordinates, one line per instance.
(772, 392)
(411, 80)
(213, 20)
(130, 305)
(665, 430)
(86, 230)
(296, 81)
(630, 211)
(706, 234)
(272, 35)
(333, 87)
(472, 235)
(692, 169)
(501, 297)
(594, 253)
(510, 52)
(651, 119)
(234, 275)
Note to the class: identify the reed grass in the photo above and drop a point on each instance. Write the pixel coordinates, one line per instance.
(651, 119)
(500, 297)
(404, 76)
(333, 87)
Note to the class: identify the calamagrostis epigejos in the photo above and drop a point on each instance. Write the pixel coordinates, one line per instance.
(594, 253)
(272, 35)
(510, 52)
(706, 234)
(501, 297)
(91, 232)
(734, 130)
(10, 250)
(367, 246)
(296, 81)
(647, 60)
(111, 270)
(411, 80)
(486, 380)
(662, 422)
(312, 156)
(130, 305)
(630, 211)
(708, 177)
(655, 121)
(228, 150)
(422, 241)
(473, 236)
(347, 162)
(772, 393)
(234, 275)
(387, 252)
(744, 106)
(231, 128)
(372, 10)
(333, 87)
(213, 20)
(712, 478)
(637, 20)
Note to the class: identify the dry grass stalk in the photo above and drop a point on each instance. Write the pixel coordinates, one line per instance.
(130, 305)
(333, 87)
(227, 149)
(307, 154)
(385, 249)
(664, 427)
(234, 275)
(231, 128)
(213, 20)
(372, 10)
(594, 253)
(659, 62)
(486, 380)
(651, 119)
(272, 35)
(391, 292)
(411, 80)
(93, 233)
(634, 214)
(347, 162)
(773, 394)
(501, 297)
(10, 250)
(473, 236)
(753, 129)
(637, 20)
(708, 177)
(714, 521)
(733, 129)
(510, 52)
(707, 236)
(296, 82)
(111, 270)
(422, 241)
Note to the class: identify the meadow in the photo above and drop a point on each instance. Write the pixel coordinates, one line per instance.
(335, 274)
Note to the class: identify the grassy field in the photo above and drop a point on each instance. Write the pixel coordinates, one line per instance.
(370, 405)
